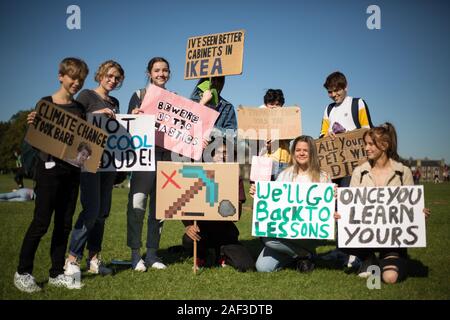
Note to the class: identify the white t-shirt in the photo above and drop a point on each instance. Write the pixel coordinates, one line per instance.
(288, 176)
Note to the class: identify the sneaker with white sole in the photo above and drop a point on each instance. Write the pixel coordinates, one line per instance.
(64, 281)
(96, 266)
(140, 266)
(26, 283)
(71, 268)
(158, 265)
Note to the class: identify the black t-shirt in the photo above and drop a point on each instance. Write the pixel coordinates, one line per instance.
(92, 101)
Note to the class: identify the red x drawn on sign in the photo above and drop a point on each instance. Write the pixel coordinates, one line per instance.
(169, 179)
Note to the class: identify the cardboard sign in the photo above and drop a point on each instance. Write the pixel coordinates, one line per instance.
(181, 124)
(66, 137)
(339, 157)
(197, 191)
(294, 210)
(385, 217)
(213, 55)
(264, 123)
(131, 142)
(261, 169)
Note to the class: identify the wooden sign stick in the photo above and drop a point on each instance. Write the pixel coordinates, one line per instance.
(195, 250)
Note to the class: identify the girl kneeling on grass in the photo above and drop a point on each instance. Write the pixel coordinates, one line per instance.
(279, 253)
(382, 169)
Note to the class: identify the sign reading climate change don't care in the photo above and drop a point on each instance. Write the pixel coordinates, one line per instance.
(66, 137)
(181, 124)
(213, 55)
(131, 142)
(294, 210)
(381, 217)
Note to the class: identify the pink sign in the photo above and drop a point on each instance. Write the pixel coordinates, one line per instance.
(180, 123)
(261, 169)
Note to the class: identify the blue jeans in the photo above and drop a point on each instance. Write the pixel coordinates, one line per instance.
(278, 253)
(142, 187)
(95, 197)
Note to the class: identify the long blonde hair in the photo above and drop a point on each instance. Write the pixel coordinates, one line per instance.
(313, 161)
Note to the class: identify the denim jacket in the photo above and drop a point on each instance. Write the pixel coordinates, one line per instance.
(227, 116)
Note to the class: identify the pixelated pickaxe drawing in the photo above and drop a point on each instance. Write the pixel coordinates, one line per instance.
(204, 178)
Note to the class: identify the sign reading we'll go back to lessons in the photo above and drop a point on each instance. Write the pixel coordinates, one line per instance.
(214, 55)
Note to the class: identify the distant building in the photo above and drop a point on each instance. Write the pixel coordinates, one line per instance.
(427, 168)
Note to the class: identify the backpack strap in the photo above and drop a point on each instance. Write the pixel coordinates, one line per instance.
(330, 106)
(142, 93)
(363, 173)
(400, 175)
(355, 113)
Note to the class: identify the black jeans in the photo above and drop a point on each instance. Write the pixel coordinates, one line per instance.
(56, 191)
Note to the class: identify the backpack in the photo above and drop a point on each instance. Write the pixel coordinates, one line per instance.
(237, 256)
(398, 173)
(355, 113)
(30, 157)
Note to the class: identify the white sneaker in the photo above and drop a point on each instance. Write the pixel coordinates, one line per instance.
(158, 265)
(64, 281)
(140, 266)
(26, 283)
(71, 268)
(96, 266)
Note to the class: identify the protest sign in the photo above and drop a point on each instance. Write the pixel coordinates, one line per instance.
(294, 210)
(269, 124)
(213, 55)
(66, 137)
(181, 124)
(131, 142)
(200, 191)
(339, 157)
(261, 169)
(382, 217)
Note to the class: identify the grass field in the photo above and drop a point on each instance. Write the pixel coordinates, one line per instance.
(430, 281)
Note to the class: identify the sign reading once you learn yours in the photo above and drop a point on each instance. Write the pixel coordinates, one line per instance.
(65, 136)
(197, 191)
(181, 123)
(265, 123)
(131, 142)
(339, 157)
(294, 210)
(381, 217)
(213, 55)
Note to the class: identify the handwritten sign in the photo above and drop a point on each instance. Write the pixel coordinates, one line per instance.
(339, 157)
(131, 142)
(197, 191)
(181, 124)
(293, 210)
(265, 123)
(66, 136)
(213, 55)
(381, 217)
(261, 169)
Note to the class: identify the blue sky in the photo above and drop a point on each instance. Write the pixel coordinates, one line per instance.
(402, 70)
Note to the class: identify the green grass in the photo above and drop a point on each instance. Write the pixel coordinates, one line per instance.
(179, 282)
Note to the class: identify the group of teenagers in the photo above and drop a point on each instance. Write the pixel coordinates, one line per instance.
(58, 183)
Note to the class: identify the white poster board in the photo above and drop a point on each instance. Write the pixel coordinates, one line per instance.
(386, 217)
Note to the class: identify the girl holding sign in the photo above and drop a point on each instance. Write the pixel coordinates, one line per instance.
(382, 169)
(279, 253)
(95, 188)
(143, 184)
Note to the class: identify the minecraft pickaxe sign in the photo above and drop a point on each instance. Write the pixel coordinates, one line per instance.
(204, 178)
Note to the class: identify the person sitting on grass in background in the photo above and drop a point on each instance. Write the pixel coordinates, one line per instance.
(382, 169)
(56, 191)
(222, 236)
(280, 253)
(22, 194)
